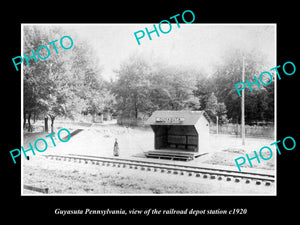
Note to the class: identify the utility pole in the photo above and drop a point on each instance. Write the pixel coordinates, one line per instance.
(243, 105)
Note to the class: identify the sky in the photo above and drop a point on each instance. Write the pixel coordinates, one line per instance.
(198, 46)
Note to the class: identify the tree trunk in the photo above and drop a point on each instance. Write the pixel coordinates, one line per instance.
(34, 116)
(46, 124)
(135, 108)
(24, 120)
(29, 125)
(136, 113)
(52, 123)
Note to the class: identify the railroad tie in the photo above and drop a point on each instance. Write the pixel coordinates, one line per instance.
(205, 173)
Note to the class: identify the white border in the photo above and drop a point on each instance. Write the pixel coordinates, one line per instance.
(117, 24)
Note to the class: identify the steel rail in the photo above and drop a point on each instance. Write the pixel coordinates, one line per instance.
(170, 168)
(181, 166)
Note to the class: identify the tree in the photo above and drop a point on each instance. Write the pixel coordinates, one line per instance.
(214, 108)
(221, 112)
(212, 104)
(37, 86)
(182, 85)
(143, 87)
(64, 84)
(46, 76)
(203, 91)
(174, 87)
(257, 102)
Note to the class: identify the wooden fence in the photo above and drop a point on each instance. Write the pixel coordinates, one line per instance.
(235, 129)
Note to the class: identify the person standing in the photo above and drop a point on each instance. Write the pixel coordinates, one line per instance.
(116, 148)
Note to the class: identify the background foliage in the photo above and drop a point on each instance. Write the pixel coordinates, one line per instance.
(70, 83)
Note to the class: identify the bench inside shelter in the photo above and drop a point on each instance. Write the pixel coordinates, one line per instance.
(180, 135)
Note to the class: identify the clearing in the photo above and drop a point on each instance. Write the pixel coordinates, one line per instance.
(98, 140)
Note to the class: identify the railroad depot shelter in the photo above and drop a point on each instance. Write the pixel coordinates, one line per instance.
(181, 135)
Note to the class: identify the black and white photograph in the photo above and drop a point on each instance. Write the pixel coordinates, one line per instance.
(141, 109)
(139, 112)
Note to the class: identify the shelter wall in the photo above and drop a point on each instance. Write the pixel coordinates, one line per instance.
(202, 127)
(176, 137)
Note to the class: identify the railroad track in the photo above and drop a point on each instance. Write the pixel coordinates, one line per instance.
(202, 172)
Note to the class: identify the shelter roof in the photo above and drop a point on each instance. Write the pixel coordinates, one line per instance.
(164, 117)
